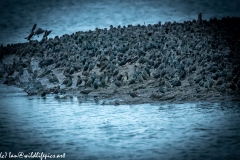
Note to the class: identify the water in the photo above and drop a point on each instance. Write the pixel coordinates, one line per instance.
(69, 16)
(86, 130)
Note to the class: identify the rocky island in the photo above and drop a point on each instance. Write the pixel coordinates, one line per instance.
(196, 60)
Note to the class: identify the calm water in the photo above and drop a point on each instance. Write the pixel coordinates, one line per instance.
(69, 16)
(86, 130)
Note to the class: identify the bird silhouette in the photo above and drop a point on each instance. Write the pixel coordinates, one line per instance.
(46, 33)
(33, 28)
(29, 36)
(32, 32)
(38, 31)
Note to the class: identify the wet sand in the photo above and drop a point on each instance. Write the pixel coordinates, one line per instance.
(195, 60)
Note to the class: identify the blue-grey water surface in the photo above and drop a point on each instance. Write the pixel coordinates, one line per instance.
(86, 130)
(68, 16)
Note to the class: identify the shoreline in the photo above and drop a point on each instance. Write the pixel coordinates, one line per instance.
(195, 60)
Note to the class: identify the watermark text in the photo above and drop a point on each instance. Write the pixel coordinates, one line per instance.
(38, 155)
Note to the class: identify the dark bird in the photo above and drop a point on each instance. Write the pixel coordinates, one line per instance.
(115, 72)
(199, 21)
(85, 73)
(30, 36)
(33, 28)
(79, 80)
(96, 83)
(69, 84)
(85, 68)
(39, 31)
(85, 91)
(35, 74)
(10, 72)
(91, 66)
(46, 33)
(67, 81)
(43, 93)
(118, 83)
(132, 81)
(133, 94)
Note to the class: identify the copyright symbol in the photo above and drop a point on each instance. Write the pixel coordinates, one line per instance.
(20, 154)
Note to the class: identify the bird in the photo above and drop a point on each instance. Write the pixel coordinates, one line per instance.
(67, 81)
(38, 31)
(79, 80)
(133, 94)
(32, 32)
(96, 83)
(29, 36)
(35, 74)
(118, 83)
(85, 91)
(69, 84)
(125, 77)
(199, 21)
(33, 28)
(115, 72)
(91, 66)
(46, 33)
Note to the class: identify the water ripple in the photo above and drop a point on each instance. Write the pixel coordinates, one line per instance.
(91, 131)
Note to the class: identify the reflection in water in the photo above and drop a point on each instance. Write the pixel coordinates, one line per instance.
(86, 130)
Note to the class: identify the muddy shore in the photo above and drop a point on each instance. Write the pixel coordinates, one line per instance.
(195, 60)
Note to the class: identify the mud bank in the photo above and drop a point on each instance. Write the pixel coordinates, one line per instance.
(196, 60)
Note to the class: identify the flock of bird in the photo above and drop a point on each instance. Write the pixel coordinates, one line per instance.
(202, 53)
(38, 32)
